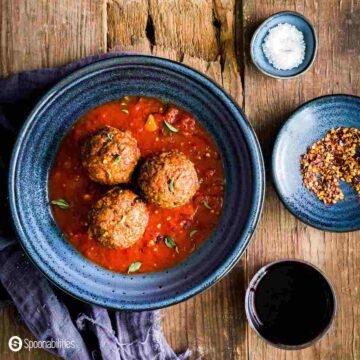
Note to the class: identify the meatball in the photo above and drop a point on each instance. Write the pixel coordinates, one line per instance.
(110, 156)
(118, 219)
(168, 179)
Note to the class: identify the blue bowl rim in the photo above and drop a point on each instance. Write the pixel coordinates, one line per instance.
(273, 167)
(255, 154)
(313, 57)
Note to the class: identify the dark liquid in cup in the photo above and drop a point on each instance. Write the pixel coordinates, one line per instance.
(292, 304)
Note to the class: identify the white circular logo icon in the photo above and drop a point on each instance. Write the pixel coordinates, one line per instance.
(15, 343)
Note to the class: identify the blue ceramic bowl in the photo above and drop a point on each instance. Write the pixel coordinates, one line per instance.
(36, 148)
(306, 125)
(257, 54)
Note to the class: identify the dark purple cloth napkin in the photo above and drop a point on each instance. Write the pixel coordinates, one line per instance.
(96, 333)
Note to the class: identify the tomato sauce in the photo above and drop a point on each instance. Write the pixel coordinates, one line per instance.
(188, 225)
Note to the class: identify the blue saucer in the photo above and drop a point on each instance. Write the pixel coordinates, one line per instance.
(258, 57)
(306, 125)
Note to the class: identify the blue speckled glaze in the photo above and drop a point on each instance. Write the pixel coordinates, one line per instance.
(36, 148)
(293, 18)
(306, 125)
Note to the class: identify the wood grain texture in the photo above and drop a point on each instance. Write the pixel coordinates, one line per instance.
(213, 37)
(36, 34)
(268, 103)
(41, 33)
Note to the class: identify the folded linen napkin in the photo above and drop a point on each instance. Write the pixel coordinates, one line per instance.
(50, 314)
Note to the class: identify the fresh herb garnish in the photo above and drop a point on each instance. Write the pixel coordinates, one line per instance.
(169, 242)
(206, 204)
(171, 185)
(134, 267)
(61, 203)
(117, 160)
(126, 111)
(192, 233)
(170, 127)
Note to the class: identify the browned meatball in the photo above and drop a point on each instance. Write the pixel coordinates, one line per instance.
(110, 156)
(118, 219)
(168, 179)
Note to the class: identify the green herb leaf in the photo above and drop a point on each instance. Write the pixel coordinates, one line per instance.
(170, 127)
(169, 242)
(117, 160)
(171, 185)
(206, 204)
(192, 233)
(126, 111)
(134, 267)
(61, 203)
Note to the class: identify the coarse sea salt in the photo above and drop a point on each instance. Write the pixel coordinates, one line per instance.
(284, 47)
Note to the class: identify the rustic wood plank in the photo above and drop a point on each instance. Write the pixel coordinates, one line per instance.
(35, 34)
(200, 34)
(126, 26)
(268, 102)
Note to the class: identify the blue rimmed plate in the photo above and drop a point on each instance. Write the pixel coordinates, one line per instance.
(305, 126)
(36, 148)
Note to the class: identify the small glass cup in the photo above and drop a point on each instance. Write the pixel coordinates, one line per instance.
(290, 304)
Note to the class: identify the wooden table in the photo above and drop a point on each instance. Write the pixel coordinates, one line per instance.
(213, 37)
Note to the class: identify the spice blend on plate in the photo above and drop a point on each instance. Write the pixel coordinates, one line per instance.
(333, 158)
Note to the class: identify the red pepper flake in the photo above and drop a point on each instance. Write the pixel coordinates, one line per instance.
(333, 158)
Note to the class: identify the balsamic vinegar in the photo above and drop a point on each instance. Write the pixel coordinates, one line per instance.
(293, 303)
